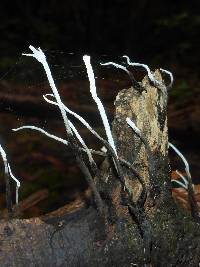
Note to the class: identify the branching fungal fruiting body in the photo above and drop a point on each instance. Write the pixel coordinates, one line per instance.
(188, 183)
(40, 57)
(170, 75)
(70, 129)
(43, 132)
(118, 66)
(183, 184)
(100, 106)
(8, 172)
(187, 168)
(135, 207)
(150, 75)
(81, 119)
(133, 126)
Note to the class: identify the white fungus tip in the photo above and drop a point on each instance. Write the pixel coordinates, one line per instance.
(100, 106)
(104, 149)
(187, 168)
(133, 126)
(180, 183)
(13, 177)
(170, 75)
(127, 58)
(146, 67)
(86, 58)
(182, 177)
(43, 132)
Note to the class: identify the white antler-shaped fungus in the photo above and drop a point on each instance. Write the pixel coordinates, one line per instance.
(100, 106)
(170, 75)
(133, 126)
(40, 56)
(183, 184)
(187, 168)
(150, 75)
(43, 132)
(8, 171)
(118, 66)
(81, 119)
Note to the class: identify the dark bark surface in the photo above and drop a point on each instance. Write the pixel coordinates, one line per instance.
(145, 228)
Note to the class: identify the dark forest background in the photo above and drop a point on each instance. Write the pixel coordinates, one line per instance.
(159, 33)
(151, 31)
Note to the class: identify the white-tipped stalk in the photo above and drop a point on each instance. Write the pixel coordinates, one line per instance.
(82, 142)
(170, 75)
(187, 168)
(100, 106)
(190, 187)
(58, 138)
(180, 183)
(4, 158)
(81, 119)
(185, 181)
(133, 126)
(8, 171)
(40, 56)
(150, 75)
(183, 184)
(104, 149)
(17, 184)
(55, 138)
(43, 132)
(116, 66)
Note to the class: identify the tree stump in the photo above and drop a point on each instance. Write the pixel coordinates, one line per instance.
(145, 228)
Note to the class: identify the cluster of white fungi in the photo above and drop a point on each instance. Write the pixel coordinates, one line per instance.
(55, 99)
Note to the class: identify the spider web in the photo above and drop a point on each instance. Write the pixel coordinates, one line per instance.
(37, 161)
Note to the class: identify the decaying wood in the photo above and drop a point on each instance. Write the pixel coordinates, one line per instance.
(153, 232)
(27, 203)
(148, 111)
